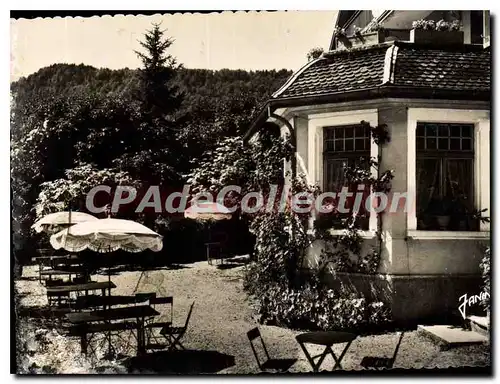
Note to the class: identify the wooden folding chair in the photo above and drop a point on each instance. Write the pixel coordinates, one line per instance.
(173, 335)
(280, 365)
(153, 342)
(373, 362)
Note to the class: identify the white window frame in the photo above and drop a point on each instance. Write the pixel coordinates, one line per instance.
(317, 122)
(481, 121)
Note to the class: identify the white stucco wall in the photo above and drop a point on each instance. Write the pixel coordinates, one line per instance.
(406, 251)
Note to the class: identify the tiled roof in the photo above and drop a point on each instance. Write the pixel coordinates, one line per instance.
(393, 64)
(353, 70)
(443, 69)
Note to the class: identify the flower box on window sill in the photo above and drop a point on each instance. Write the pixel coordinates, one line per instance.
(370, 38)
(426, 36)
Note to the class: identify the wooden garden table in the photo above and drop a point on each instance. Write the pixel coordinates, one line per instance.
(326, 339)
(137, 312)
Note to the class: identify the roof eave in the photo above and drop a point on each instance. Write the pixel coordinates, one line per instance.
(364, 94)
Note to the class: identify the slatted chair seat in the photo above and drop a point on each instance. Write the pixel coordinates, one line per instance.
(279, 365)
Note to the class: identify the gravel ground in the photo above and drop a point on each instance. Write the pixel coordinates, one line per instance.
(221, 317)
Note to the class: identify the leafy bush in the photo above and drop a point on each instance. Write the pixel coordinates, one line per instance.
(312, 306)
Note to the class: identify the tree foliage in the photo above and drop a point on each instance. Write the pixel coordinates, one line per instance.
(154, 125)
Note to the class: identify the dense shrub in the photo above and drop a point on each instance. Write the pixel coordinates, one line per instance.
(284, 297)
(314, 307)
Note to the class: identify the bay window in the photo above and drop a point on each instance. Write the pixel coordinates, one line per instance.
(346, 146)
(445, 176)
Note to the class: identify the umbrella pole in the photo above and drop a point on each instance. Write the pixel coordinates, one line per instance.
(109, 269)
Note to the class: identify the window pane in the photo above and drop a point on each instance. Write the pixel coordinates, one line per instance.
(329, 134)
(339, 145)
(443, 130)
(467, 131)
(455, 144)
(349, 145)
(431, 143)
(359, 144)
(466, 144)
(455, 130)
(443, 144)
(349, 132)
(339, 133)
(359, 131)
(420, 129)
(431, 130)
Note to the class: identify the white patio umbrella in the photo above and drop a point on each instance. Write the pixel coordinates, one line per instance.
(54, 222)
(107, 235)
(208, 211)
(211, 213)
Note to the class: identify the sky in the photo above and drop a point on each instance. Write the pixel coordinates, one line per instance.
(241, 40)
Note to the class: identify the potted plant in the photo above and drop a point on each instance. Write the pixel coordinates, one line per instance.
(441, 32)
(441, 209)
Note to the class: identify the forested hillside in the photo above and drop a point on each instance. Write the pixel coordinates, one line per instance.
(90, 122)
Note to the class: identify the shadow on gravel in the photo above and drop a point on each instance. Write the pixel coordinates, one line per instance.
(185, 362)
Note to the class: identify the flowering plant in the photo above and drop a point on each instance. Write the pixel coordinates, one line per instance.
(424, 24)
(376, 26)
(339, 32)
(441, 25)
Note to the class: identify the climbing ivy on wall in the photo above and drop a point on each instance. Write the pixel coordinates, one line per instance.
(342, 251)
(274, 279)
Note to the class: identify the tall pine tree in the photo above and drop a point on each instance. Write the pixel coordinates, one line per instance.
(158, 154)
(157, 93)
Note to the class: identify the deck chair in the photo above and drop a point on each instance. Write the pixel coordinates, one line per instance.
(280, 365)
(173, 335)
(152, 337)
(373, 362)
